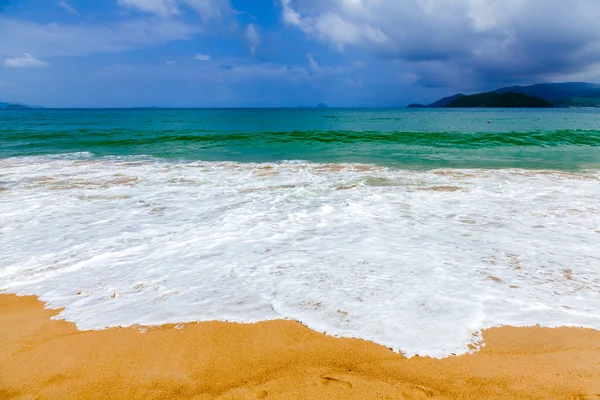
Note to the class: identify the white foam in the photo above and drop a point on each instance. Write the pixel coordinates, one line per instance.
(416, 261)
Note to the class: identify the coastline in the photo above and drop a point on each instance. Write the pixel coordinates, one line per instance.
(46, 359)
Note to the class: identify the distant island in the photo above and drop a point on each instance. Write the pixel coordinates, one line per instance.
(16, 106)
(570, 94)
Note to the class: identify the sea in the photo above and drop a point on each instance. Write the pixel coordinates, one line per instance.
(412, 228)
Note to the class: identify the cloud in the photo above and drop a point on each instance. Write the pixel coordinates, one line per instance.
(231, 70)
(26, 61)
(170, 62)
(209, 9)
(312, 64)
(162, 8)
(45, 40)
(444, 42)
(330, 26)
(67, 7)
(238, 82)
(206, 9)
(354, 82)
(291, 17)
(202, 57)
(252, 38)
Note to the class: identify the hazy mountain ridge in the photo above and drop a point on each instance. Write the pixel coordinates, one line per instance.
(568, 94)
(16, 106)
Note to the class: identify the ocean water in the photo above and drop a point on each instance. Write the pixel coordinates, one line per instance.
(415, 229)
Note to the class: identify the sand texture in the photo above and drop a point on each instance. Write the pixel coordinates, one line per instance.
(42, 358)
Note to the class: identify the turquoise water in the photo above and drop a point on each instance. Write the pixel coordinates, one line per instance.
(565, 139)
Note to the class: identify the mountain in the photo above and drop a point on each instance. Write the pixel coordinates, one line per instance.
(16, 106)
(438, 104)
(594, 94)
(321, 105)
(579, 94)
(446, 100)
(556, 93)
(498, 100)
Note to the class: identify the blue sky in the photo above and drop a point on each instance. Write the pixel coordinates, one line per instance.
(221, 53)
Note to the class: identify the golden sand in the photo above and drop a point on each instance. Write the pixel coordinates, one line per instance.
(42, 358)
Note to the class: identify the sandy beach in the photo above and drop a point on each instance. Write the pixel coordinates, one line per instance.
(42, 358)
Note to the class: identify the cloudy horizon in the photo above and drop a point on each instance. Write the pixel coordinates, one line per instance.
(221, 53)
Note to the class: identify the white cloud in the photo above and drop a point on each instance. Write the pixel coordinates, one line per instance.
(206, 9)
(67, 7)
(313, 66)
(291, 17)
(162, 8)
(252, 38)
(487, 39)
(202, 57)
(332, 27)
(171, 62)
(26, 61)
(121, 34)
(45, 40)
(209, 9)
(244, 71)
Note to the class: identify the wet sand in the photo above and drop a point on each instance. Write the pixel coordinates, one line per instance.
(42, 358)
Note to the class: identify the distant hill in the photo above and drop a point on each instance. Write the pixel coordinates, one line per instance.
(556, 93)
(16, 106)
(594, 94)
(579, 94)
(440, 103)
(321, 105)
(447, 100)
(498, 100)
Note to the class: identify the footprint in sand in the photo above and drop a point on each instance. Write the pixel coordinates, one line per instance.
(420, 392)
(329, 381)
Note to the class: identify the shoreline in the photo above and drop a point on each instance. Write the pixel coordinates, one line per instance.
(46, 359)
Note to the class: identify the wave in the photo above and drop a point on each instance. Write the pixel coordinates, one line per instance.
(426, 139)
(414, 260)
(566, 150)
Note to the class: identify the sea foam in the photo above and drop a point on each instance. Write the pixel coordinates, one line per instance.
(419, 261)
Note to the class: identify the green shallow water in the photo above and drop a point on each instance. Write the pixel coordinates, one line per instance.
(567, 139)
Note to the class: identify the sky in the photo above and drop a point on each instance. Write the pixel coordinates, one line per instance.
(286, 53)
